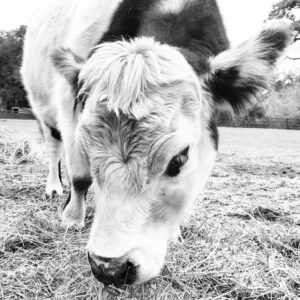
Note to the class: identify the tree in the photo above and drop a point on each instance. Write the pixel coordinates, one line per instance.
(289, 9)
(11, 50)
(283, 100)
(285, 9)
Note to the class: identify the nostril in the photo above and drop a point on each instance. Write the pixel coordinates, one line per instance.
(130, 269)
(130, 265)
(113, 270)
(127, 273)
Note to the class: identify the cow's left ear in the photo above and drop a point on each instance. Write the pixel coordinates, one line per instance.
(236, 75)
(68, 64)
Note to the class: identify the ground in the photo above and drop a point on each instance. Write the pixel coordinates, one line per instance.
(242, 242)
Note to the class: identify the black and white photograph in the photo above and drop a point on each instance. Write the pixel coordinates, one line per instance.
(150, 149)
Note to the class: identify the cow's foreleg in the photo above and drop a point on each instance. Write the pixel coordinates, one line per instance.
(74, 209)
(55, 149)
(73, 213)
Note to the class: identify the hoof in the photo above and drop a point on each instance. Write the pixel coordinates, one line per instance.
(68, 222)
(176, 237)
(53, 190)
(50, 196)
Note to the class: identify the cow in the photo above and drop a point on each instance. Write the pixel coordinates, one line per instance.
(129, 90)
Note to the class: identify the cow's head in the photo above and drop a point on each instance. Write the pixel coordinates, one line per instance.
(148, 134)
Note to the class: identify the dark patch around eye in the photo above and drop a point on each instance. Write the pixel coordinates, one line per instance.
(177, 162)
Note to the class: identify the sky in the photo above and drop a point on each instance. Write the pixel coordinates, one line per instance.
(242, 17)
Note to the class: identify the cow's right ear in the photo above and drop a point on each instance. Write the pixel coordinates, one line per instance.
(238, 74)
(68, 64)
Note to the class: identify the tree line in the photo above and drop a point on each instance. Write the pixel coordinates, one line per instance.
(284, 9)
(12, 92)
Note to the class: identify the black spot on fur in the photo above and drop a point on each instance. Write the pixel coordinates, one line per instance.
(81, 184)
(226, 86)
(197, 30)
(55, 133)
(127, 19)
(274, 41)
(214, 134)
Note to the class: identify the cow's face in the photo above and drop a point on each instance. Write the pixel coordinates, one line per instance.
(147, 133)
(146, 175)
(142, 138)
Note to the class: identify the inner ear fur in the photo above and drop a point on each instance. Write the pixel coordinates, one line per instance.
(68, 64)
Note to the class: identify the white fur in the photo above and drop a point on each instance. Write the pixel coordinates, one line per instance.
(129, 75)
(172, 6)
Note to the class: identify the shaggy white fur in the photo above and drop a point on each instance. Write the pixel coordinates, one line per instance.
(129, 76)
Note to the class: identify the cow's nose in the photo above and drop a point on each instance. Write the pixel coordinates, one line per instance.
(115, 271)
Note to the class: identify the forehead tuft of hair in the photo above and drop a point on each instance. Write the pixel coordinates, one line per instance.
(129, 76)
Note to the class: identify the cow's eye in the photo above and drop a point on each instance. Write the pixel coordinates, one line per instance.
(177, 162)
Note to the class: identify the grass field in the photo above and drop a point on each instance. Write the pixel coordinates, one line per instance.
(242, 242)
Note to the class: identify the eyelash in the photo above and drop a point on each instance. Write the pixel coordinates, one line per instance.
(177, 162)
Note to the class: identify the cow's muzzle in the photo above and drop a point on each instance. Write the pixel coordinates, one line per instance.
(116, 271)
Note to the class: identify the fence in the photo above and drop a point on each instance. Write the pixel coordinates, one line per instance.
(279, 123)
(18, 116)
